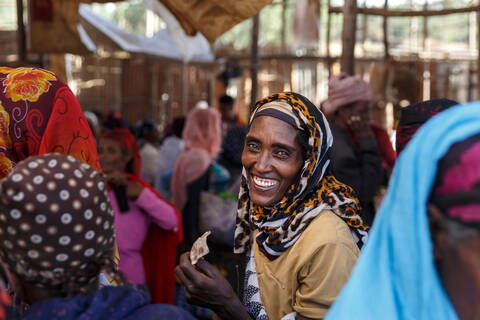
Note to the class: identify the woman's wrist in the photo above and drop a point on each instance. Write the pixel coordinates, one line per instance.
(233, 309)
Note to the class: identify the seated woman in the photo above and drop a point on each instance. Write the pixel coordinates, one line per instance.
(143, 220)
(57, 236)
(195, 169)
(422, 260)
(299, 226)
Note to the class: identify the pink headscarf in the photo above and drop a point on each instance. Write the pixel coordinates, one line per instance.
(344, 89)
(202, 136)
(458, 179)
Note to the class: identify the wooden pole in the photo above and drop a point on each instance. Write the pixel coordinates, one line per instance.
(478, 57)
(412, 30)
(284, 26)
(327, 40)
(21, 33)
(408, 13)
(185, 85)
(386, 54)
(471, 67)
(347, 59)
(364, 29)
(254, 63)
(425, 26)
(319, 26)
(385, 33)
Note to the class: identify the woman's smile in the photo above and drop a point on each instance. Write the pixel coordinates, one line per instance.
(264, 184)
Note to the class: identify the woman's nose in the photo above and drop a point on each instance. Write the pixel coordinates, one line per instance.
(263, 163)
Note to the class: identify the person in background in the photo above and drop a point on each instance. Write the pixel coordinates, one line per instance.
(414, 116)
(423, 255)
(234, 132)
(358, 144)
(40, 114)
(231, 155)
(114, 119)
(169, 151)
(144, 222)
(57, 236)
(194, 169)
(149, 140)
(227, 110)
(298, 225)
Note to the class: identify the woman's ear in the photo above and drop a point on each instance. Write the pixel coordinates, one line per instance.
(438, 230)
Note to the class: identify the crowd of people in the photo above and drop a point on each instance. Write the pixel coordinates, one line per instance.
(98, 216)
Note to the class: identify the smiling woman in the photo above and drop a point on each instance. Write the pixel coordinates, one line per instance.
(298, 226)
(272, 159)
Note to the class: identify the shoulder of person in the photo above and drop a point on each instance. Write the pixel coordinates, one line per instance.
(326, 229)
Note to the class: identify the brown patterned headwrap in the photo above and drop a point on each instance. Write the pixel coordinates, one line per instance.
(56, 225)
(414, 116)
(316, 189)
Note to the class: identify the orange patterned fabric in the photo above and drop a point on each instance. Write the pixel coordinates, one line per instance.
(40, 114)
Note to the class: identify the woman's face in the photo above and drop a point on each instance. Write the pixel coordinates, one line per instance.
(272, 158)
(457, 253)
(112, 157)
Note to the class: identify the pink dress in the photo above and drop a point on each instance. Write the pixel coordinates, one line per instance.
(132, 228)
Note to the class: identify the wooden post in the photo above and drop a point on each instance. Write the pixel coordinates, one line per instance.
(364, 29)
(254, 63)
(412, 31)
(478, 57)
(284, 26)
(327, 40)
(446, 83)
(21, 33)
(347, 59)
(408, 13)
(425, 26)
(185, 85)
(319, 26)
(385, 33)
(471, 68)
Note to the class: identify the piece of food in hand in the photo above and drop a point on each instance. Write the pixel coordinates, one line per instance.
(199, 248)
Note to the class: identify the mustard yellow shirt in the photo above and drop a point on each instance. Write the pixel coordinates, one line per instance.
(308, 276)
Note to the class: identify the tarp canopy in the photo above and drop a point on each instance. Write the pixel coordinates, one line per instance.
(55, 24)
(213, 17)
(162, 44)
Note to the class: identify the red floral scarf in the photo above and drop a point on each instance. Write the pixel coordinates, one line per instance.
(40, 114)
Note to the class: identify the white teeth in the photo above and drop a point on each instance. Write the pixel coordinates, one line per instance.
(264, 182)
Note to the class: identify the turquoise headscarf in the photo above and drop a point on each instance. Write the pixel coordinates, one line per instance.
(395, 277)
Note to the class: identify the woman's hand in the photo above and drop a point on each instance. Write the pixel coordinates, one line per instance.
(134, 189)
(205, 286)
(118, 178)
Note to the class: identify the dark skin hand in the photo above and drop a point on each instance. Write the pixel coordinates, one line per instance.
(205, 286)
(134, 189)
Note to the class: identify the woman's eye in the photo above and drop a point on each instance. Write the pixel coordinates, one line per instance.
(253, 146)
(282, 154)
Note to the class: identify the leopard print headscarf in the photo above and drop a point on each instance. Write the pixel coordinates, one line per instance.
(316, 190)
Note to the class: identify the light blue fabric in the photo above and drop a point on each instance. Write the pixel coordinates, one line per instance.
(395, 277)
